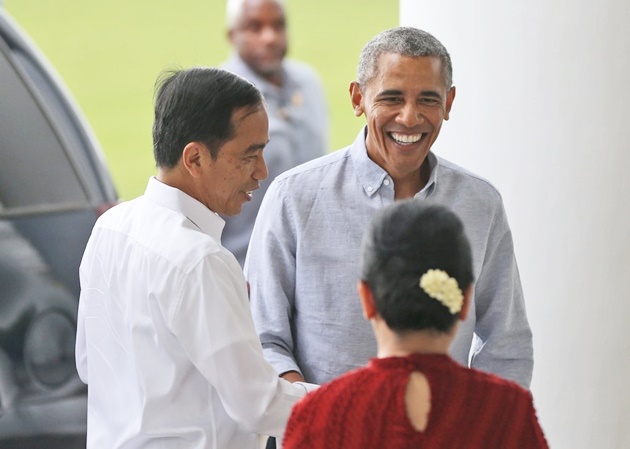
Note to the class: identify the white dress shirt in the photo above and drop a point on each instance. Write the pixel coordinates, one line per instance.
(165, 338)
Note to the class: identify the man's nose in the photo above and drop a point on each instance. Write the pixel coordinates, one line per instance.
(270, 34)
(260, 171)
(410, 115)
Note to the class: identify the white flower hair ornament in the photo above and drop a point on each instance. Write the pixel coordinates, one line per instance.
(439, 285)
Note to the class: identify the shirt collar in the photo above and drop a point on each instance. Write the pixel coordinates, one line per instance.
(371, 175)
(434, 165)
(172, 198)
(240, 67)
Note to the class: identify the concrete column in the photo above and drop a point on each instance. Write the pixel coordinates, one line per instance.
(543, 111)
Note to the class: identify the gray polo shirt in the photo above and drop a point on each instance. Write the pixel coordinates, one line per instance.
(303, 260)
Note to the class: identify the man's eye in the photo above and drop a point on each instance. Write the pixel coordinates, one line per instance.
(429, 101)
(253, 27)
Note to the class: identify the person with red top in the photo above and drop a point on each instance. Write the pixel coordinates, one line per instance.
(416, 284)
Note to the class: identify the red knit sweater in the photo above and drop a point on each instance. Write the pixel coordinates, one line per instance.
(365, 409)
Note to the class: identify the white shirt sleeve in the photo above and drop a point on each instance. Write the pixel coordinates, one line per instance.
(212, 322)
(80, 345)
(80, 349)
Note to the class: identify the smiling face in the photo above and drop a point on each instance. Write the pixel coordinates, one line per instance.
(227, 182)
(404, 104)
(259, 36)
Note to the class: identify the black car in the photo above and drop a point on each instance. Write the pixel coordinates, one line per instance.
(53, 186)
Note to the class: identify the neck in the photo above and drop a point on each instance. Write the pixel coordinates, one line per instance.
(175, 177)
(399, 344)
(408, 186)
(274, 78)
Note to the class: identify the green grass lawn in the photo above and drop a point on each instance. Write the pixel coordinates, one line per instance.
(110, 53)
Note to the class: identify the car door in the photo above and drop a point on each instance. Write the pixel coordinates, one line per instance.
(53, 185)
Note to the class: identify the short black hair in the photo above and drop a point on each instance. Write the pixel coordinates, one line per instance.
(404, 241)
(196, 105)
(404, 41)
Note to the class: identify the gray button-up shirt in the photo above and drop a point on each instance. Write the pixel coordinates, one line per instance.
(303, 267)
(298, 132)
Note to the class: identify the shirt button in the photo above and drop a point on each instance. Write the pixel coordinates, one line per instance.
(370, 188)
(386, 182)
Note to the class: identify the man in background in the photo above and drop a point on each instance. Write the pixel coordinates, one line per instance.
(298, 115)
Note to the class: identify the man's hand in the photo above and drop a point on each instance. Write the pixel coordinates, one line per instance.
(292, 376)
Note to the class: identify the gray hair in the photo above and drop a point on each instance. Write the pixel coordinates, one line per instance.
(234, 9)
(405, 41)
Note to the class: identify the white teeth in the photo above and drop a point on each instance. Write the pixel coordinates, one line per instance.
(405, 138)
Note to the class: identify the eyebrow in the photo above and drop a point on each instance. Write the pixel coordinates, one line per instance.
(389, 92)
(255, 147)
(424, 93)
(430, 93)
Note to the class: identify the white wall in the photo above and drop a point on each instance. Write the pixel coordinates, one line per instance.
(543, 111)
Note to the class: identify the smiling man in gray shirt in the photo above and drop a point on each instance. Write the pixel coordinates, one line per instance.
(303, 256)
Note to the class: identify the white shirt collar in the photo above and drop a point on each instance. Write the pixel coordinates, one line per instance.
(172, 198)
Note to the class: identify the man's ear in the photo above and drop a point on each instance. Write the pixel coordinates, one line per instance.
(450, 97)
(192, 157)
(356, 96)
(367, 300)
(466, 305)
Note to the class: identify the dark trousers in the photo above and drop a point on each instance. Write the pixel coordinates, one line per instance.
(271, 443)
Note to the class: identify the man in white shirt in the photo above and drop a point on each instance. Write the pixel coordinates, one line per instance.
(165, 339)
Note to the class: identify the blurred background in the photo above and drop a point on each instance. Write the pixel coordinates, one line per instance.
(110, 53)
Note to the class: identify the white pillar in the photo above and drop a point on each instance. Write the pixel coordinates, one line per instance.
(543, 111)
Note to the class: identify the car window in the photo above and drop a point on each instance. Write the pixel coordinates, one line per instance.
(36, 173)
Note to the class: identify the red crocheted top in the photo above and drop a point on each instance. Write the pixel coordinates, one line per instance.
(365, 409)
